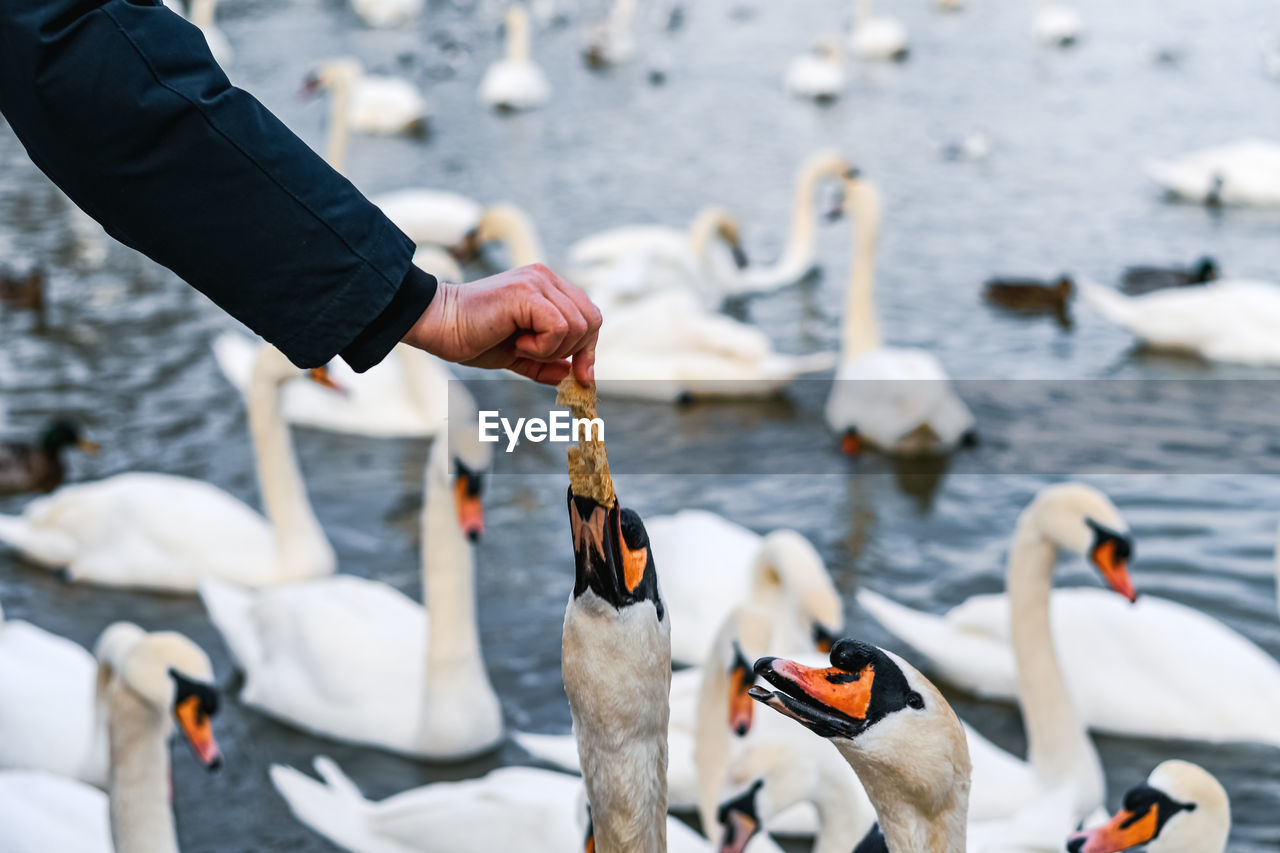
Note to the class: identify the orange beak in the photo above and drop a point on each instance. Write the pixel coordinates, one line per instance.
(1114, 569)
(470, 508)
(851, 444)
(832, 688)
(1125, 830)
(320, 376)
(198, 729)
(741, 706)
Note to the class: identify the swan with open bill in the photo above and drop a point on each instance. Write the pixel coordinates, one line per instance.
(1236, 321)
(147, 686)
(1181, 808)
(895, 399)
(1124, 665)
(163, 532)
(37, 467)
(515, 82)
(1244, 173)
(356, 660)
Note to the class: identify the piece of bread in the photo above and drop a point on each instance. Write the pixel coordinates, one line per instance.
(588, 462)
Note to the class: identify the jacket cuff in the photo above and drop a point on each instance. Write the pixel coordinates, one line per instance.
(371, 346)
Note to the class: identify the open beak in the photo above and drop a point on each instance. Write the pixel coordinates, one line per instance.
(741, 706)
(89, 447)
(467, 250)
(1124, 831)
(466, 497)
(739, 829)
(823, 639)
(322, 377)
(597, 552)
(830, 701)
(1114, 569)
(197, 726)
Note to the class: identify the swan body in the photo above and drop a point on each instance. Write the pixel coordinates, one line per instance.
(356, 660)
(375, 104)
(431, 217)
(1180, 809)
(1125, 665)
(877, 38)
(1245, 173)
(1231, 320)
(405, 395)
(899, 400)
(47, 712)
(1056, 25)
(387, 13)
(515, 82)
(818, 74)
(41, 812)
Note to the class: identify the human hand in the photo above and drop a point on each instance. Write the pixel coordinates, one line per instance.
(527, 320)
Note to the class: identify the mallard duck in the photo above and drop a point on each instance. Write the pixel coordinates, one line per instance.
(37, 467)
(1139, 280)
(1031, 295)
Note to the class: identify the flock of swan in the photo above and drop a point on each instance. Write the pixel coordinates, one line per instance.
(704, 662)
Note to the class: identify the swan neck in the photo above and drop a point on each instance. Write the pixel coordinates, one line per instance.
(138, 783)
(202, 13)
(300, 543)
(909, 825)
(523, 246)
(1056, 739)
(517, 36)
(797, 257)
(861, 332)
(712, 738)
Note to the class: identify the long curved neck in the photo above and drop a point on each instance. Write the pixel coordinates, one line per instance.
(339, 124)
(910, 826)
(202, 13)
(141, 818)
(517, 232)
(449, 587)
(517, 37)
(797, 257)
(1057, 742)
(861, 332)
(301, 547)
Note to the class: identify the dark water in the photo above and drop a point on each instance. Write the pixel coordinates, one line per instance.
(128, 349)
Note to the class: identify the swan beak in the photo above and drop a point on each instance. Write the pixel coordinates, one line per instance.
(740, 259)
(1114, 568)
(1124, 831)
(322, 377)
(611, 554)
(89, 447)
(197, 726)
(468, 249)
(823, 639)
(466, 497)
(830, 701)
(741, 706)
(850, 443)
(741, 820)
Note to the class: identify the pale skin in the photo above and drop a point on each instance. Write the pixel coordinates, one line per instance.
(528, 320)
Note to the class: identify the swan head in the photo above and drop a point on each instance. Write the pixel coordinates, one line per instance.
(887, 720)
(768, 777)
(343, 71)
(460, 463)
(788, 569)
(1182, 808)
(1081, 519)
(612, 557)
(716, 223)
(171, 674)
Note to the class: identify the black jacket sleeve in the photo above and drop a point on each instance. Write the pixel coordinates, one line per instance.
(121, 104)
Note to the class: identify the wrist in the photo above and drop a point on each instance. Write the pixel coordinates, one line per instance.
(430, 331)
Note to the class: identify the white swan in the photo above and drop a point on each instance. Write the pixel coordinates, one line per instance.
(1230, 320)
(632, 261)
(147, 683)
(431, 217)
(819, 73)
(356, 660)
(898, 400)
(1125, 665)
(667, 340)
(387, 13)
(610, 42)
(1245, 173)
(512, 808)
(515, 82)
(1180, 809)
(1056, 25)
(404, 395)
(365, 103)
(877, 38)
(203, 13)
(163, 532)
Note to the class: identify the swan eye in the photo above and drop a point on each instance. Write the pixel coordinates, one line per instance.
(915, 700)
